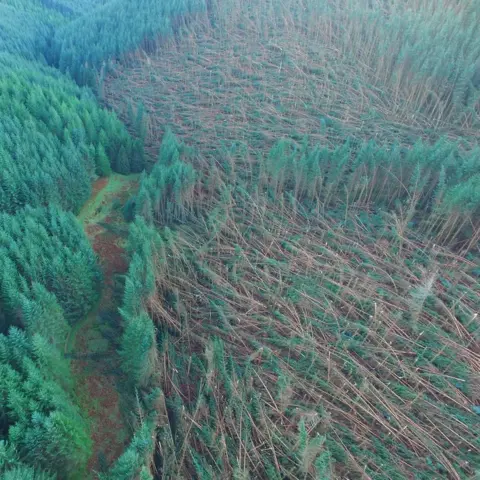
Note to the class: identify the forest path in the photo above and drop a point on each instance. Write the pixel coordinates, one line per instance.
(93, 344)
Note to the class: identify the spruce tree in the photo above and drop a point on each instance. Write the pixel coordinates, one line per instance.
(122, 163)
(138, 157)
(138, 343)
(102, 162)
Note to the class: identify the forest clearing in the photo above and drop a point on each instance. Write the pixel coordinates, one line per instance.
(92, 345)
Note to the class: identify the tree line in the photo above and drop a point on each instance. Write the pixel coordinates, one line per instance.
(110, 32)
(56, 140)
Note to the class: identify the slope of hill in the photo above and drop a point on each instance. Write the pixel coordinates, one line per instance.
(259, 71)
(303, 259)
(304, 271)
(296, 338)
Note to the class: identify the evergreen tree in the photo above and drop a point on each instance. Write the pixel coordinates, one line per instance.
(43, 424)
(137, 352)
(138, 157)
(166, 194)
(132, 462)
(102, 163)
(122, 164)
(130, 25)
(48, 264)
(51, 127)
(42, 314)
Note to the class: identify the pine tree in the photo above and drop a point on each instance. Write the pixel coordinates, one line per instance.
(102, 162)
(138, 157)
(46, 154)
(42, 314)
(43, 425)
(132, 462)
(138, 344)
(122, 163)
(48, 263)
(26, 473)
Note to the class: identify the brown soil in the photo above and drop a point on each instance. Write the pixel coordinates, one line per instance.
(99, 185)
(95, 360)
(111, 254)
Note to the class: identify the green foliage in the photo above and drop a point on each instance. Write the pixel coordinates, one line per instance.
(284, 338)
(26, 473)
(47, 268)
(167, 193)
(138, 339)
(138, 345)
(25, 27)
(122, 164)
(73, 8)
(372, 174)
(318, 322)
(433, 46)
(143, 243)
(55, 138)
(132, 462)
(48, 275)
(43, 424)
(103, 168)
(138, 342)
(55, 141)
(137, 161)
(113, 30)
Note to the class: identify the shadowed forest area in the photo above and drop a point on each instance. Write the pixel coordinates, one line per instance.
(239, 239)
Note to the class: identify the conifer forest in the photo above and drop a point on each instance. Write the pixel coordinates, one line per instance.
(239, 239)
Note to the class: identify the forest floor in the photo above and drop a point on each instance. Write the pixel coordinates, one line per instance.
(93, 344)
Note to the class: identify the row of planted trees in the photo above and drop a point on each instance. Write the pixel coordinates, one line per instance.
(56, 139)
(82, 38)
(85, 47)
(434, 186)
(160, 198)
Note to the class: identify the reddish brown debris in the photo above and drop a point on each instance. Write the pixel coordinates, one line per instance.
(96, 384)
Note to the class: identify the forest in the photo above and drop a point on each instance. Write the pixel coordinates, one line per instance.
(239, 239)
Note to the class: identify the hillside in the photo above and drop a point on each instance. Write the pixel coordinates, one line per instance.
(239, 239)
(258, 71)
(309, 241)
